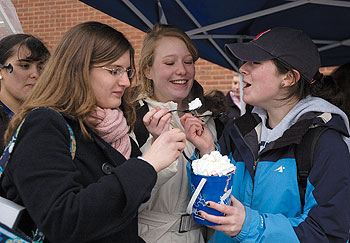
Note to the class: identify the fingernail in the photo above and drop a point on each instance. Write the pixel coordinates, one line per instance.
(199, 213)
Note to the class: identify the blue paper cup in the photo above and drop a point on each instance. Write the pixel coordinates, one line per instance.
(216, 188)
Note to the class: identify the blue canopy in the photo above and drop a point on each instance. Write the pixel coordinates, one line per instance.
(212, 24)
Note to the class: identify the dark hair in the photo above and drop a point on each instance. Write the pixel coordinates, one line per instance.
(301, 89)
(13, 43)
(216, 101)
(341, 76)
(321, 86)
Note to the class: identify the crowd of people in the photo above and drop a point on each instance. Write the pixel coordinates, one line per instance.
(96, 152)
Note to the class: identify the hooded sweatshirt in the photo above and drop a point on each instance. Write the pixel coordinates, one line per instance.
(308, 104)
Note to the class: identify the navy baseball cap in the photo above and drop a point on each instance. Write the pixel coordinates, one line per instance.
(290, 46)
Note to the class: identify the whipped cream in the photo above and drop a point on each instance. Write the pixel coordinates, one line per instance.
(213, 164)
(194, 104)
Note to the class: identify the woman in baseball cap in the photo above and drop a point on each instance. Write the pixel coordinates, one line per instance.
(282, 81)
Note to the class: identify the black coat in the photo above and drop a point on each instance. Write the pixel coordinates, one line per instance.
(76, 201)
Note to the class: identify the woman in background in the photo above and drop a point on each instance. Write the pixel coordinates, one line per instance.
(22, 58)
(234, 100)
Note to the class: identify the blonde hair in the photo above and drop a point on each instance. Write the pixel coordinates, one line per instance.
(65, 84)
(148, 48)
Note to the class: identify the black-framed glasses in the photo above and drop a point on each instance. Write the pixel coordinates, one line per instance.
(8, 67)
(119, 71)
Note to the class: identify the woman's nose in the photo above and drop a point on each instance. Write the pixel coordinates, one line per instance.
(181, 69)
(35, 73)
(243, 69)
(124, 80)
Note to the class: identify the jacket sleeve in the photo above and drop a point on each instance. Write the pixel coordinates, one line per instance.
(327, 208)
(42, 175)
(326, 211)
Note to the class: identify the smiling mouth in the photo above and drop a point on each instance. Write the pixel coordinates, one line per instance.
(179, 81)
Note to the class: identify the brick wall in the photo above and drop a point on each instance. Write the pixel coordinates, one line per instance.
(50, 19)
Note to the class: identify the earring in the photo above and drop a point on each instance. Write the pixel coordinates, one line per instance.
(283, 84)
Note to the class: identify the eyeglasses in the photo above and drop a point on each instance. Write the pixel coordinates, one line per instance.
(119, 71)
(9, 67)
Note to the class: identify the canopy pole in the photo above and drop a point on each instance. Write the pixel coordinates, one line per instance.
(217, 47)
(7, 20)
(138, 13)
(248, 16)
(340, 43)
(243, 104)
(162, 17)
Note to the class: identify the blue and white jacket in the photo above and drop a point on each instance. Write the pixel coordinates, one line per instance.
(266, 182)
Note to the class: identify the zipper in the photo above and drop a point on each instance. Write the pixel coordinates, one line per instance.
(255, 163)
(253, 184)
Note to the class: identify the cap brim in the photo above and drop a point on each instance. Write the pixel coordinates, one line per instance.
(247, 52)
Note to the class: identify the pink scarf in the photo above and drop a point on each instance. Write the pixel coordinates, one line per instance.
(112, 127)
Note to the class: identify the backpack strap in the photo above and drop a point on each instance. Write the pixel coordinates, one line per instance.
(305, 157)
(8, 150)
(73, 142)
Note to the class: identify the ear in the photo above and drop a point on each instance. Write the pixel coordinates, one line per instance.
(291, 78)
(147, 73)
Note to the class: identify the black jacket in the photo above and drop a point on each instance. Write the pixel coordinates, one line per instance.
(83, 200)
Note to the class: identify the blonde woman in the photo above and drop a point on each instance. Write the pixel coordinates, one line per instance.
(166, 72)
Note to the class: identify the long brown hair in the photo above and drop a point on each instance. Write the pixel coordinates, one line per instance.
(65, 85)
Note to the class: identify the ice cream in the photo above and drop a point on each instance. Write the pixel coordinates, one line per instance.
(213, 164)
(194, 104)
